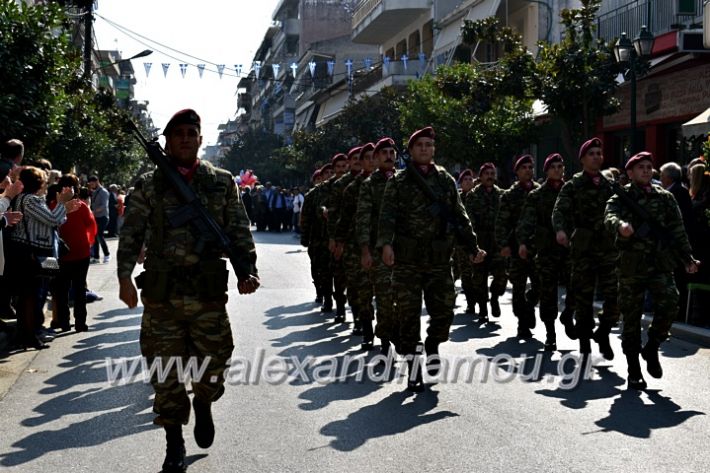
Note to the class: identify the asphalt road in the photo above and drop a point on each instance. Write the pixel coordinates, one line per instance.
(60, 413)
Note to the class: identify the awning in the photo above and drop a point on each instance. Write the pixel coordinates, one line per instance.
(332, 107)
(483, 10)
(699, 125)
(303, 116)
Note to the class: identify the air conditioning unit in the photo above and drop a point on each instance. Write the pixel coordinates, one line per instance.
(691, 41)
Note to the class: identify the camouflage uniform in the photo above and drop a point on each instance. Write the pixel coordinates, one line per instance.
(482, 208)
(463, 269)
(579, 211)
(332, 200)
(315, 237)
(359, 280)
(183, 292)
(423, 248)
(534, 230)
(368, 212)
(646, 264)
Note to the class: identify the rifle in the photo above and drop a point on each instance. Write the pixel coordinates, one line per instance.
(650, 228)
(204, 227)
(440, 209)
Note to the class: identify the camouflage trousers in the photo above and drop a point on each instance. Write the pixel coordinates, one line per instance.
(589, 272)
(524, 302)
(436, 283)
(387, 327)
(340, 280)
(320, 268)
(664, 294)
(494, 265)
(463, 269)
(551, 268)
(360, 284)
(181, 330)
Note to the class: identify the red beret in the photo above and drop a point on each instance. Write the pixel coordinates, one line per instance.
(384, 143)
(366, 148)
(326, 167)
(315, 175)
(637, 158)
(427, 132)
(593, 143)
(184, 117)
(464, 173)
(354, 151)
(338, 157)
(524, 159)
(485, 166)
(553, 158)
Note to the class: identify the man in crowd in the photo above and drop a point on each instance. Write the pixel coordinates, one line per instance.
(100, 208)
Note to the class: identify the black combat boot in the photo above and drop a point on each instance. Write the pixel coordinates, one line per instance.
(567, 320)
(368, 336)
(204, 426)
(483, 312)
(175, 451)
(495, 307)
(551, 337)
(470, 302)
(319, 298)
(601, 336)
(385, 347)
(635, 378)
(433, 362)
(650, 353)
(415, 383)
(340, 311)
(327, 304)
(585, 346)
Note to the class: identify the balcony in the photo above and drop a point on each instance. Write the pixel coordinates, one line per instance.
(291, 27)
(393, 75)
(659, 16)
(373, 19)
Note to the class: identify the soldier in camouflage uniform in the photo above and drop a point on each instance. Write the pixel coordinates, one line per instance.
(332, 195)
(520, 270)
(183, 292)
(579, 209)
(482, 207)
(648, 256)
(359, 280)
(420, 246)
(368, 212)
(315, 238)
(535, 236)
(462, 267)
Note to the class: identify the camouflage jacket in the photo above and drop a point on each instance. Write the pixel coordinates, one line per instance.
(146, 222)
(534, 228)
(333, 200)
(345, 227)
(579, 212)
(406, 216)
(482, 208)
(641, 252)
(369, 203)
(511, 203)
(313, 227)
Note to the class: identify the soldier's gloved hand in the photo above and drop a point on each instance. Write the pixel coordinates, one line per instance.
(388, 255)
(523, 252)
(127, 292)
(248, 286)
(562, 238)
(693, 267)
(626, 230)
(505, 252)
(478, 257)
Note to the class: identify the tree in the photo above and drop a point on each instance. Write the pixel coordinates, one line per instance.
(256, 149)
(577, 77)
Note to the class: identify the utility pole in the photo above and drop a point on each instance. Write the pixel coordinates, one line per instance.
(88, 34)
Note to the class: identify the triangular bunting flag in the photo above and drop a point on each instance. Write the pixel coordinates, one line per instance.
(331, 68)
(257, 68)
(312, 68)
(220, 70)
(147, 66)
(238, 69)
(166, 66)
(201, 69)
(405, 60)
(183, 70)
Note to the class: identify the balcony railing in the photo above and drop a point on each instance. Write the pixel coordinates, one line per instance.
(660, 16)
(364, 9)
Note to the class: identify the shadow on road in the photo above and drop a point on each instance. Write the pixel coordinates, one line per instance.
(605, 386)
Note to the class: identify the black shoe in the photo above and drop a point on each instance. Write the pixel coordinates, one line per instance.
(32, 342)
(653, 364)
(471, 309)
(357, 330)
(367, 345)
(204, 426)
(524, 333)
(495, 307)
(433, 361)
(415, 383)
(327, 304)
(81, 328)
(601, 336)
(635, 378)
(319, 299)
(175, 451)
(567, 320)
(483, 313)
(551, 342)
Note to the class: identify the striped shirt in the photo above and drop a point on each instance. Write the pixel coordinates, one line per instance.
(38, 222)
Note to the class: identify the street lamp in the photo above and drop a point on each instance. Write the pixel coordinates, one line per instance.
(144, 53)
(634, 54)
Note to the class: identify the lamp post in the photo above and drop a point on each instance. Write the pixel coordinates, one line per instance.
(634, 55)
(144, 53)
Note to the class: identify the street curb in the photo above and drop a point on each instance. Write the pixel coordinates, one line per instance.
(689, 333)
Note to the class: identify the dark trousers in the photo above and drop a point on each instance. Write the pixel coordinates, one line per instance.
(71, 274)
(101, 224)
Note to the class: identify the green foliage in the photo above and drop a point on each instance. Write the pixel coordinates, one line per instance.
(260, 151)
(578, 76)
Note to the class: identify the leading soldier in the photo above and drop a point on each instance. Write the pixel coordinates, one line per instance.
(418, 243)
(184, 292)
(649, 252)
